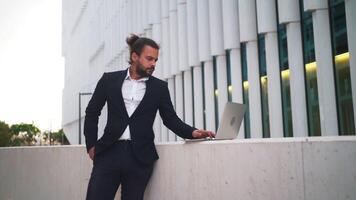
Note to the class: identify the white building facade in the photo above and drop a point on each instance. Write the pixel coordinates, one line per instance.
(292, 62)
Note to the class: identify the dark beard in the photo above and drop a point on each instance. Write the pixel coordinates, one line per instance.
(141, 72)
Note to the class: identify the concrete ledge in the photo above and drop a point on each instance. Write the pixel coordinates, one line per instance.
(283, 168)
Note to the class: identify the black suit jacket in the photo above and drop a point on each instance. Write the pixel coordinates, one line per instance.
(156, 97)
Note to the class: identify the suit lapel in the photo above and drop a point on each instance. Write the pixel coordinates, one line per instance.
(118, 87)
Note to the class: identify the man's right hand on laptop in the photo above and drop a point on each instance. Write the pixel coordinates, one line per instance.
(203, 134)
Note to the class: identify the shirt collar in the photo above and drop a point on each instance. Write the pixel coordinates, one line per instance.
(128, 77)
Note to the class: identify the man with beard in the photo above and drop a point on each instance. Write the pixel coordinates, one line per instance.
(125, 154)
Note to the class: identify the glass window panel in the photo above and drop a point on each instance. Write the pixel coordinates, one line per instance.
(310, 73)
(285, 84)
(341, 67)
(228, 70)
(203, 90)
(183, 97)
(263, 81)
(216, 93)
(193, 100)
(245, 89)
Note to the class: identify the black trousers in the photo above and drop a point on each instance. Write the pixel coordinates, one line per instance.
(118, 166)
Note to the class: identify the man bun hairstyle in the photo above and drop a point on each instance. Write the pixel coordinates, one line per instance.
(137, 43)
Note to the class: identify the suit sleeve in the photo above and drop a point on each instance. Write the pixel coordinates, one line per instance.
(170, 118)
(93, 112)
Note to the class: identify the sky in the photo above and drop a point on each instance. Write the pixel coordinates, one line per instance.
(31, 63)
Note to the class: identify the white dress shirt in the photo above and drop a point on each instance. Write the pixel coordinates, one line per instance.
(132, 92)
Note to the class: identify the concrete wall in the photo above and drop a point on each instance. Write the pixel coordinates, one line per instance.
(287, 168)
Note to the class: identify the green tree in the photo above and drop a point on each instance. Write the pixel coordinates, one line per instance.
(57, 137)
(60, 137)
(5, 135)
(24, 134)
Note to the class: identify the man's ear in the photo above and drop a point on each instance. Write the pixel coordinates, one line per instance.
(134, 56)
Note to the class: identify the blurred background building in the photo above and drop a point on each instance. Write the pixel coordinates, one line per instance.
(290, 61)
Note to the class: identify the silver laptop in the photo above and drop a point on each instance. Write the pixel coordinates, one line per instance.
(230, 123)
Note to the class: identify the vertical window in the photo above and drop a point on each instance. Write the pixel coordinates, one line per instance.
(167, 130)
(193, 99)
(175, 106)
(245, 90)
(216, 93)
(341, 67)
(203, 90)
(263, 82)
(310, 72)
(285, 85)
(183, 92)
(228, 70)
